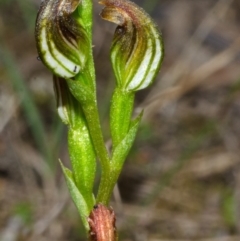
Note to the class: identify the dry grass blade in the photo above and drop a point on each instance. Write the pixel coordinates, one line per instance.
(217, 62)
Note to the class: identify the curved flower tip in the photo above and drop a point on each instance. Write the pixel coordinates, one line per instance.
(137, 48)
(62, 43)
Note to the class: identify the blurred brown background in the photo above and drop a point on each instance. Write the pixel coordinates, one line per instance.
(181, 180)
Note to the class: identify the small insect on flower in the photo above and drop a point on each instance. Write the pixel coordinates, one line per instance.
(102, 224)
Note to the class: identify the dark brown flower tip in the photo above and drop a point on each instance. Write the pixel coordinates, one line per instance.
(62, 42)
(137, 48)
(102, 224)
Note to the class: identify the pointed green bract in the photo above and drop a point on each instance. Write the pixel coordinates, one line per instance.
(121, 151)
(137, 48)
(62, 42)
(77, 197)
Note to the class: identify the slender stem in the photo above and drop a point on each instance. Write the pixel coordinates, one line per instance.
(84, 90)
(86, 16)
(91, 113)
(87, 97)
(120, 114)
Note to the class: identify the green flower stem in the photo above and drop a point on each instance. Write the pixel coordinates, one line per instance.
(85, 12)
(84, 16)
(92, 117)
(121, 151)
(84, 94)
(120, 114)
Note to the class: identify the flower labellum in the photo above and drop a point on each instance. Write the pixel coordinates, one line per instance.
(137, 48)
(62, 42)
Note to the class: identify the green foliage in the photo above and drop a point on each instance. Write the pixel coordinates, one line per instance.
(64, 42)
(80, 201)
